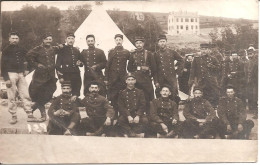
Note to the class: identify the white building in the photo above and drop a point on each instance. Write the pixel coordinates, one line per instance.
(183, 23)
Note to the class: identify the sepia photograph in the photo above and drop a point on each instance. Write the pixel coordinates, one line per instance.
(173, 81)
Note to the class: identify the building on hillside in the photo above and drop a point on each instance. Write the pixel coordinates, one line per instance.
(183, 22)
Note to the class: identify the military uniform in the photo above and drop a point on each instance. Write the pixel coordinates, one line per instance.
(98, 109)
(115, 73)
(164, 110)
(66, 66)
(57, 124)
(94, 57)
(205, 69)
(131, 102)
(138, 60)
(199, 108)
(184, 78)
(166, 73)
(232, 112)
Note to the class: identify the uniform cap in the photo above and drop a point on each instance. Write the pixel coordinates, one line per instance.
(89, 84)
(204, 45)
(213, 45)
(14, 33)
(182, 102)
(129, 74)
(166, 86)
(90, 35)
(197, 88)
(119, 35)
(162, 37)
(139, 39)
(65, 83)
(70, 34)
(48, 34)
(192, 55)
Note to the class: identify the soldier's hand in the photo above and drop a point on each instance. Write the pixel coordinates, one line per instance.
(157, 85)
(185, 70)
(8, 84)
(145, 67)
(240, 127)
(136, 119)
(130, 119)
(108, 121)
(61, 80)
(164, 127)
(94, 67)
(57, 113)
(174, 121)
(73, 98)
(41, 66)
(114, 122)
(60, 46)
(79, 63)
(229, 128)
(67, 132)
(25, 72)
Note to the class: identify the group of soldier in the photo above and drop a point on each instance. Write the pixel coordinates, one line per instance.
(121, 101)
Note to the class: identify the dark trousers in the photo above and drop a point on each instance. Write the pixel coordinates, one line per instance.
(58, 125)
(155, 128)
(75, 80)
(126, 128)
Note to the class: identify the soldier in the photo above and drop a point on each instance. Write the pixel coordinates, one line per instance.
(204, 71)
(14, 68)
(43, 83)
(67, 65)
(184, 77)
(100, 112)
(94, 60)
(164, 115)
(142, 63)
(200, 117)
(165, 62)
(232, 112)
(115, 71)
(233, 73)
(63, 113)
(131, 105)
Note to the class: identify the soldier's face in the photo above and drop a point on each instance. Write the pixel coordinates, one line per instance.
(230, 93)
(197, 94)
(139, 44)
(70, 40)
(93, 89)
(181, 107)
(162, 43)
(47, 41)
(14, 39)
(234, 56)
(130, 81)
(66, 90)
(165, 92)
(119, 41)
(204, 51)
(91, 42)
(189, 58)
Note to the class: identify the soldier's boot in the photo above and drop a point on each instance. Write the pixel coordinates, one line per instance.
(161, 135)
(90, 134)
(131, 134)
(13, 120)
(31, 118)
(171, 134)
(196, 137)
(43, 113)
(99, 132)
(140, 135)
(34, 107)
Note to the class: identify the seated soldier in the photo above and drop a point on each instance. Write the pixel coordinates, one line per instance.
(164, 114)
(63, 113)
(200, 117)
(232, 113)
(100, 112)
(131, 105)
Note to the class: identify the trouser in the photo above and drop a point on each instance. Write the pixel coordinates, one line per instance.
(58, 125)
(18, 84)
(94, 125)
(75, 80)
(137, 128)
(191, 128)
(157, 128)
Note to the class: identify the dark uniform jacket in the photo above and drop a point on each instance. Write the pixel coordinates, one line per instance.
(164, 60)
(13, 60)
(67, 59)
(63, 102)
(97, 106)
(131, 102)
(234, 66)
(116, 64)
(199, 108)
(231, 111)
(162, 108)
(142, 58)
(91, 57)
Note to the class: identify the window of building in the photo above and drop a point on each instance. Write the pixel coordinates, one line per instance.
(186, 19)
(195, 19)
(181, 19)
(172, 19)
(196, 27)
(177, 31)
(169, 21)
(181, 27)
(187, 27)
(177, 19)
(191, 20)
(191, 27)
(177, 26)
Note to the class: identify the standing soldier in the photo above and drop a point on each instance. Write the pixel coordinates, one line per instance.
(165, 62)
(216, 53)
(94, 60)
(43, 83)
(200, 117)
(131, 105)
(232, 112)
(67, 65)
(14, 68)
(116, 70)
(142, 63)
(204, 71)
(164, 115)
(233, 73)
(184, 77)
(100, 113)
(64, 113)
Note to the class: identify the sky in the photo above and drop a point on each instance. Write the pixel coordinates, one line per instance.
(247, 9)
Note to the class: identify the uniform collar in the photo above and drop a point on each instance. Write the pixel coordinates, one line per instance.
(130, 89)
(119, 47)
(141, 50)
(66, 95)
(91, 48)
(164, 98)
